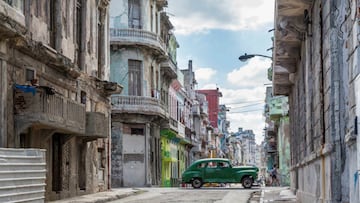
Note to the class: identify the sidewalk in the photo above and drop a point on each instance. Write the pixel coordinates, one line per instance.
(277, 195)
(101, 197)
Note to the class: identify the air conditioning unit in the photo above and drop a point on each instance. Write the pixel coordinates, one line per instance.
(30, 76)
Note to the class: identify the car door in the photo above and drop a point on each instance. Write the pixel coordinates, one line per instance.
(211, 172)
(226, 173)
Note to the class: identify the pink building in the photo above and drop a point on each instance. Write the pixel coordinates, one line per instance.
(212, 96)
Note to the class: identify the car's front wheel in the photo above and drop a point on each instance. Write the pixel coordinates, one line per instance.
(247, 182)
(196, 183)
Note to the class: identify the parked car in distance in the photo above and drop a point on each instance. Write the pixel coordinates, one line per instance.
(218, 170)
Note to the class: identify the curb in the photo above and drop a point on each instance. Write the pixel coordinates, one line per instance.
(100, 197)
(121, 196)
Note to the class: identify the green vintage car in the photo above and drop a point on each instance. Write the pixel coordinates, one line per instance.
(218, 170)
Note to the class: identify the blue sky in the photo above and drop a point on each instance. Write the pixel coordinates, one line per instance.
(214, 33)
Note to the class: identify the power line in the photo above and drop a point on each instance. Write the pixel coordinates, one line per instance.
(243, 102)
(246, 111)
(255, 104)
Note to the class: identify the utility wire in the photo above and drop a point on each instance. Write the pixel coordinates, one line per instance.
(243, 102)
(245, 111)
(255, 104)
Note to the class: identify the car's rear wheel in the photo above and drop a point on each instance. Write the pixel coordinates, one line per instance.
(196, 183)
(247, 182)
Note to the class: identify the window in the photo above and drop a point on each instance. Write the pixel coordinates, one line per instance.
(83, 97)
(151, 18)
(101, 164)
(17, 4)
(156, 22)
(134, 77)
(212, 165)
(137, 131)
(100, 42)
(67, 23)
(29, 74)
(134, 14)
(57, 162)
(78, 32)
(201, 165)
(82, 148)
(38, 8)
(52, 30)
(157, 80)
(223, 165)
(152, 78)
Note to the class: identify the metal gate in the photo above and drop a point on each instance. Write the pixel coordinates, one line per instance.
(22, 175)
(134, 160)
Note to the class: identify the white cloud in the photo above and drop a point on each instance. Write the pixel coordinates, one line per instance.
(246, 109)
(248, 121)
(210, 86)
(252, 74)
(202, 15)
(246, 95)
(204, 74)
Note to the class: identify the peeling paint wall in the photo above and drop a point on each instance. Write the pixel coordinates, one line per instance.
(142, 44)
(27, 43)
(352, 56)
(284, 151)
(319, 108)
(120, 71)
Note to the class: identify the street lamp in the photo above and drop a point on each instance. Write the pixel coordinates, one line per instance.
(245, 57)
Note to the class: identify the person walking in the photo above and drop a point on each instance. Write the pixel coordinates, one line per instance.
(274, 176)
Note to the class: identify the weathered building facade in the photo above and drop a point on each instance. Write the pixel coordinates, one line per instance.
(223, 125)
(278, 115)
(213, 141)
(271, 140)
(143, 58)
(202, 126)
(316, 64)
(247, 146)
(54, 95)
(193, 121)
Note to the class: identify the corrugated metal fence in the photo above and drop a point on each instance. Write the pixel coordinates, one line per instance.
(22, 175)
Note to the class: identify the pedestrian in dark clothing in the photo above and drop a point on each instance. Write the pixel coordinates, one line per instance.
(274, 176)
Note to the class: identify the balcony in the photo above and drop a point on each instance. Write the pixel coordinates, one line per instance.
(173, 124)
(12, 19)
(97, 125)
(137, 105)
(169, 68)
(47, 110)
(196, 110)
(137, 37)
(290, 27)
(161, 3)
(181, 130)
(271, 148)
(196, 148)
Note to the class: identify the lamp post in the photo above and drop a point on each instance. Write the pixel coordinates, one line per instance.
(245, 57)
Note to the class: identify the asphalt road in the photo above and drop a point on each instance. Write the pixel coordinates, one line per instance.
(232, 194)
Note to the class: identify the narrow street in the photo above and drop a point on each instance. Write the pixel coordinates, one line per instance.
(188, 195)
(135, 100)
